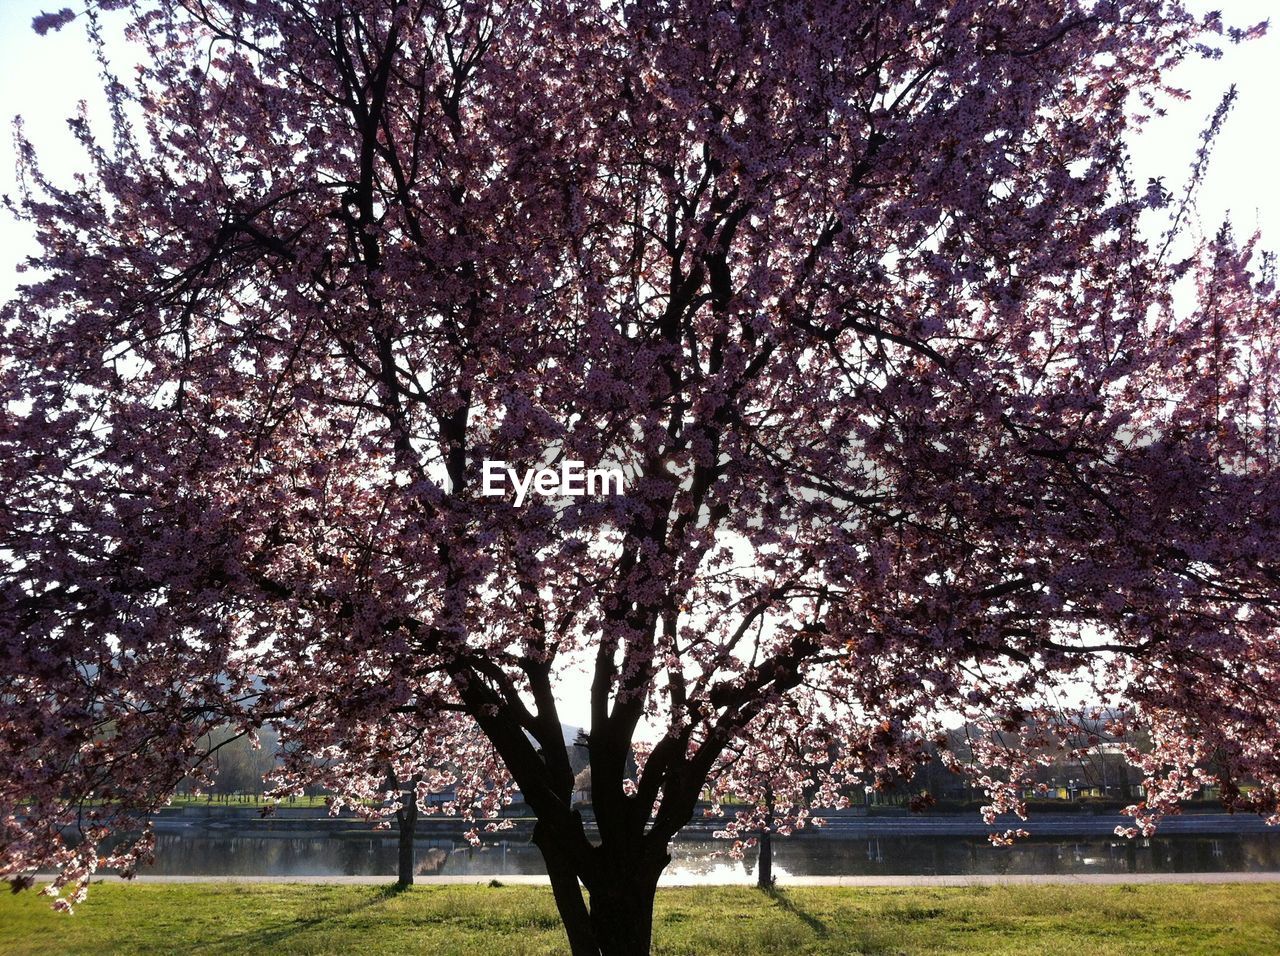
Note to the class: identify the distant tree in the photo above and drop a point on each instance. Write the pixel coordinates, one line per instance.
(404, 796)
(859, 296)
(240, 763)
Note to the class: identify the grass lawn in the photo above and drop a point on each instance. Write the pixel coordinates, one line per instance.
(465, 920)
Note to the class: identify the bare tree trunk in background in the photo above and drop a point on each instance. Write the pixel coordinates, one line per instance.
(407, 820)
(764, 869)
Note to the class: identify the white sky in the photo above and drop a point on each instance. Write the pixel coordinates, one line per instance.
(44, 77)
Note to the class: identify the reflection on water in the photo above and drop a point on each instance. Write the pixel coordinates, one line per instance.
(707, 861)
(958, 856)
(201, 855)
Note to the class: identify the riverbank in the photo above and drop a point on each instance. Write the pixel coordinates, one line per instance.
(1005, 919)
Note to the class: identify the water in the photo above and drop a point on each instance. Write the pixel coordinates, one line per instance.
(707, 861)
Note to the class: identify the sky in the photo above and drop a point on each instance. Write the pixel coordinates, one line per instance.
(44, 77)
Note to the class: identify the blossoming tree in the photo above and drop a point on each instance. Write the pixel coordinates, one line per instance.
(918, 422)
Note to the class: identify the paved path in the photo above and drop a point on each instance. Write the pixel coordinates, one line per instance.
(1104, 879)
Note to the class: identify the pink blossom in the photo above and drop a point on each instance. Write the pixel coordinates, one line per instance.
(45, 22)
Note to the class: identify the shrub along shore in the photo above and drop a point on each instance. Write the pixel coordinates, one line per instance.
(291, 918)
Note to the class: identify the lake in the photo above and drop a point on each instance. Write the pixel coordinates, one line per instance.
(204, 854)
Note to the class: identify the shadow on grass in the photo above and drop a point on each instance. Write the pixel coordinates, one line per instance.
(263, 939)
(780, 898)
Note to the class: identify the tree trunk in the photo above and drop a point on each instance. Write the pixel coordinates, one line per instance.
(568, 894)
(622, 917)
(407, 818)
(764, 868)
(621, 889)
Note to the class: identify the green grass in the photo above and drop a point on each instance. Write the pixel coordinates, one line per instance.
(213, 919)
